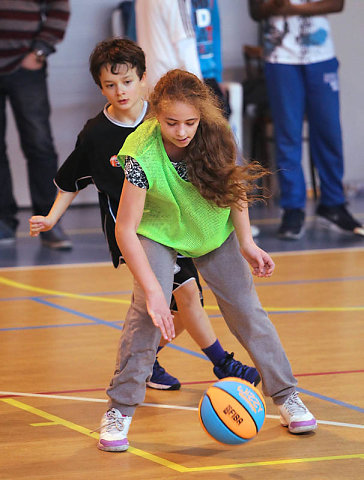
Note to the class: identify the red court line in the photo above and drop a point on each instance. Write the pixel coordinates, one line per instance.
(311, 374)
(88, 390)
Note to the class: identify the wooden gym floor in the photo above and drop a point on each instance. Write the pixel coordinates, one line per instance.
(59, 328)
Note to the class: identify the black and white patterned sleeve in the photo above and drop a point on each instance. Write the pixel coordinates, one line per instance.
(135, 174)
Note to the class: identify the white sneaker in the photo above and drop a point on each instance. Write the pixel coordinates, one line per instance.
(113, 431)
(296, 416)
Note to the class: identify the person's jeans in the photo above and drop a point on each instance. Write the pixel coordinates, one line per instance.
(296, 90)
(28, 96)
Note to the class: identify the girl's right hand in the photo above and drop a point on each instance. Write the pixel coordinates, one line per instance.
(259, 260)
(38, 224)
(161, 314)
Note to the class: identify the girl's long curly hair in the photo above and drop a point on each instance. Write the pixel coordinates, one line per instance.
(211, 155)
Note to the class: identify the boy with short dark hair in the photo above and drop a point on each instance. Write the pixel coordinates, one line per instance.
(118, 68)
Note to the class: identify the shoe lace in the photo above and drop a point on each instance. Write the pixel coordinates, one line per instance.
(158, 368)
(113, 422)
(294, 405)
(235, 367)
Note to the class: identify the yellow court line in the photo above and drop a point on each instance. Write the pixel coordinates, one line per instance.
(276, 462)
(78, 428)
(46, 291)
(43, 424)
(167, 463)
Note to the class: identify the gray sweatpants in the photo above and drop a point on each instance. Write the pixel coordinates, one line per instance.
(229, 277)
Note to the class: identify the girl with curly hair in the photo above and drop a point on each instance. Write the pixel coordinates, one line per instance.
(185, 193)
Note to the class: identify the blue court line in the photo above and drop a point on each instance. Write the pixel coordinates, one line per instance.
(95, 320)
(75, 312)
(98, 321)
(217, 315)
(98, 294)
(318, 280)
(270, 283)
(40, 327)
(332, 400)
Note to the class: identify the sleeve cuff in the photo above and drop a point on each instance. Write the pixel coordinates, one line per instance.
(45, 47)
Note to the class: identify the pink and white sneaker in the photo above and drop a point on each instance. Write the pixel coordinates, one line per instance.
(296, 416)
(113, 431)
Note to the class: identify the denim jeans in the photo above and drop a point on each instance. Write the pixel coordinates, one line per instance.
(296, 90)
(28, 96)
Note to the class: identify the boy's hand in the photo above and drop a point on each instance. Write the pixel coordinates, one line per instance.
(161, 314)
(38, 224)
(259, 260)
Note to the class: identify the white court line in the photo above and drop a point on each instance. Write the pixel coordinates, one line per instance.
(154, 405)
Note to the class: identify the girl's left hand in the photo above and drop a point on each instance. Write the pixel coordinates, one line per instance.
(259, 260)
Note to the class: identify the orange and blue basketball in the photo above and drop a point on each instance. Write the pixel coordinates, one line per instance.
(232, 411)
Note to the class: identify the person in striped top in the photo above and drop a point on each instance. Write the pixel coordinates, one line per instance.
(29, 32)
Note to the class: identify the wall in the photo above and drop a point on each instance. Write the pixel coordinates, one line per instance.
(75, 98)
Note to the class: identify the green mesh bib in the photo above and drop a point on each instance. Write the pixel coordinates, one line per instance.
(175, 214)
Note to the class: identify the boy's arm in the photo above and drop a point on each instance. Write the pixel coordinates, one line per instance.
(260, 261)
(129, 215)
(38, 223)
(259, 9)
(53, 27)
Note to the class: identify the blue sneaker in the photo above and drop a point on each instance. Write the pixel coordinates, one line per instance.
(162, 380)
(229, 367)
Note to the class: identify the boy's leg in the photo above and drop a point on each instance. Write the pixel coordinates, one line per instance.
(287, 103)
(187, 293)
(8, 206)
(29, 100)
(323, 110)
(161, 379)
(228, 275)
(188, 296)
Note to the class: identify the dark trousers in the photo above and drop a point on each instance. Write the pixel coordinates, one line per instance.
(28, 96)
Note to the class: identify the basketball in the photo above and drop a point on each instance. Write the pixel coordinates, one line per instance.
(232, 411)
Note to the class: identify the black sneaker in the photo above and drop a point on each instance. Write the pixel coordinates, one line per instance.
(7, 234)
(56, 239)
(292, 226)
(340, 219)
(229, 367)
